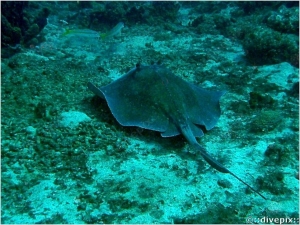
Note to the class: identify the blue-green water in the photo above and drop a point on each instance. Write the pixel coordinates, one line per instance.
(65, 159)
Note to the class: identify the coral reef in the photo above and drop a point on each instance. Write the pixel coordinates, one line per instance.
(92, 170)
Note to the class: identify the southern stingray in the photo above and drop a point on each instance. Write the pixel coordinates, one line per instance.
(152, 97)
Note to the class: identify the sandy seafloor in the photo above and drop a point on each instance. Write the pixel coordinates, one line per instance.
(55, 170)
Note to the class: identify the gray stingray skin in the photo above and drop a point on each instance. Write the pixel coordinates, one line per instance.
(152, 97)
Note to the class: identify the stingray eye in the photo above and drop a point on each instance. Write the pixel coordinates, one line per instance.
(138, 65)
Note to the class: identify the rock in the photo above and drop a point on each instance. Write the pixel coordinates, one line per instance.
(72, 119)
(224, 183)
(30, 130)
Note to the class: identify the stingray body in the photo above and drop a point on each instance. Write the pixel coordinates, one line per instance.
(152, 97)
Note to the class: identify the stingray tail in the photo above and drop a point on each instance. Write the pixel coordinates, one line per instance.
(187, 132)
(210, 160)
(218, 166)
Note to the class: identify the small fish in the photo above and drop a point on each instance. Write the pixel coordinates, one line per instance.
(115, 31)
(64, 22)
(82, 33)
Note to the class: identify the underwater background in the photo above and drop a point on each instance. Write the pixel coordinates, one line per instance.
(64, 157)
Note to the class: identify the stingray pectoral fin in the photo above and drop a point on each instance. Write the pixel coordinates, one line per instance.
(171, 131)
(95, 90)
